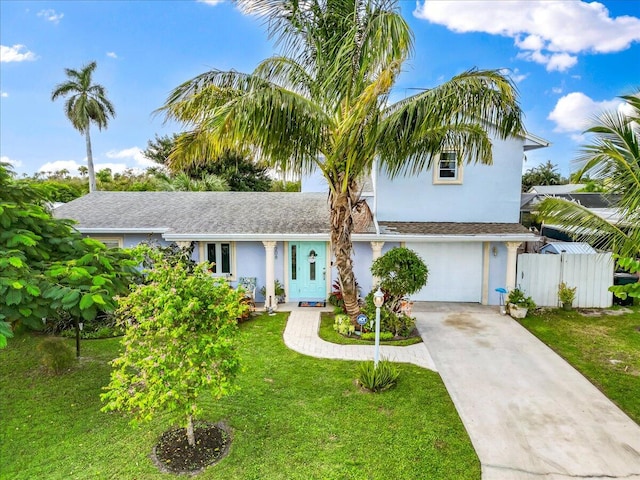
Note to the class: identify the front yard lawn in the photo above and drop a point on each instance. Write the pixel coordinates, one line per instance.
(295, 417)
(604, 348)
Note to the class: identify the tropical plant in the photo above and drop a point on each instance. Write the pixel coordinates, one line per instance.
(545, 174)
(48, 266)
(519, 298)
(179, 342)
(278, 290)
(323, 105)
(631, 289)
(87, 103)
(401, 272)
(378, 379)
(343, 324)
(566, 294)
(612, 154)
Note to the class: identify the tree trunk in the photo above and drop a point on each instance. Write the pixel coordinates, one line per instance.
(341, 204)
(191, 438)
(92, 173)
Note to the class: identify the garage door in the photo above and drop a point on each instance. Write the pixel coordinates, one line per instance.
(455, 271)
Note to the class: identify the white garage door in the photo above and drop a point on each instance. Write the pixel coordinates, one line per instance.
(455, 271)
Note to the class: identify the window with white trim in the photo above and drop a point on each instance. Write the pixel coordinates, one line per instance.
(447, 170)
(221, 256)
(110, 242)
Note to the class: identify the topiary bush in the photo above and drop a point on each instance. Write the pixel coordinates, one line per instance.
(56, 355)
(397, 323)
(378, 379)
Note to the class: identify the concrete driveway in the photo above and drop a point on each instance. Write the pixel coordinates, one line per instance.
(529, 414)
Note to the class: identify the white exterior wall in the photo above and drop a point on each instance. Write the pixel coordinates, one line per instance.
(489, 193)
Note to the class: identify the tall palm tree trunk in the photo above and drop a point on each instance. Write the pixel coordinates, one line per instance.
(92, 173)
(341, 229)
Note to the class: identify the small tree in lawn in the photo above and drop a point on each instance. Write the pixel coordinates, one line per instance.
(401, 272)
(179, 342)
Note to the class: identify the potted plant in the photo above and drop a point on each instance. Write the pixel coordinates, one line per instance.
(519, 303)
(566, 295)
(278, 290)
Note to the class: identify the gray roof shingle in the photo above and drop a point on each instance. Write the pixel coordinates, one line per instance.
(201, 212)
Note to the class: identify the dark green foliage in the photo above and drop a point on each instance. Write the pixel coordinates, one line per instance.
(56, 355)
(545, 174)
(48, 266)
(284, 186)
(401, 272)
(631, 289)
(378, 379)
(398, 323)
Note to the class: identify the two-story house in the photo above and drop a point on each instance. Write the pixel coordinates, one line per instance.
(461, 219)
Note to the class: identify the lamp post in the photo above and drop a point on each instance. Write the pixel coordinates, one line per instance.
(378, 300)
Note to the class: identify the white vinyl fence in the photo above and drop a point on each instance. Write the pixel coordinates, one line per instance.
(539, 275)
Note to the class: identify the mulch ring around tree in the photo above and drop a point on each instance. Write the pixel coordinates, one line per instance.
(173, 454)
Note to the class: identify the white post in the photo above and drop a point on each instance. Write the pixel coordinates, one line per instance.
(512, 255)
(270, 301)
(378, 300)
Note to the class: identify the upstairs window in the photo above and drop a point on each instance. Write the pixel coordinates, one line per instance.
(447, 170)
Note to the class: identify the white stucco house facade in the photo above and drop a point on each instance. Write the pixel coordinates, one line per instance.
(463, 220)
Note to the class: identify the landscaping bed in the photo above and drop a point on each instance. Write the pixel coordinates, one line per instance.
(328, 333)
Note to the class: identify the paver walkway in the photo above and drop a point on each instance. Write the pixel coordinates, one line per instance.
(301, 335)
(529, 414)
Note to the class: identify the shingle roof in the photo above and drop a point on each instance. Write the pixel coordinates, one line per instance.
(452, 228)
(201, 212)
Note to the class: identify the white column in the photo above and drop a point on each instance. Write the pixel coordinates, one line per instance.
(376, 249)
(485, 273)
(512, 255)
(270, 252)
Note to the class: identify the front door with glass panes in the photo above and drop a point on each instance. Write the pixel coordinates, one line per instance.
(307, 271)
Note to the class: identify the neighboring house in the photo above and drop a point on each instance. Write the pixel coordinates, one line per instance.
(556, 189)
(602, 204)
(462, 220)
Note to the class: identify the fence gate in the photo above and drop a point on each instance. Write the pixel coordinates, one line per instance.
(539, 275)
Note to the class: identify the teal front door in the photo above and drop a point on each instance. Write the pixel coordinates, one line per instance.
(308, 271)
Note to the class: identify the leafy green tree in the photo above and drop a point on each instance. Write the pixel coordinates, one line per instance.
(612, 155)
(46, 265)
(179, 343)
(545, 174)
(182, 182)
(401, 272)
(323, 104)
(87, 103)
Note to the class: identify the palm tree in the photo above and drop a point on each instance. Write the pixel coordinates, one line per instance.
(86, 103)
(323, 104)
(613, 155)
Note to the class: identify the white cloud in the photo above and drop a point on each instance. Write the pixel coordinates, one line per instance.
(112, 55)
(557, 90)
(70, 165)
(550, 32)
(16, 53)
(211, 2)
(4, 94)
(133, 153)
(15, 163)
(575, 111)
(515, 74)
(51, 15)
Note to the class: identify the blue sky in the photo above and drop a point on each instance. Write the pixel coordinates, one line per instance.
(569, 58)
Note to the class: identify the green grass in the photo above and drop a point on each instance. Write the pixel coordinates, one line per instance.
(295, 417)
(604, 349)
(328, 333)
